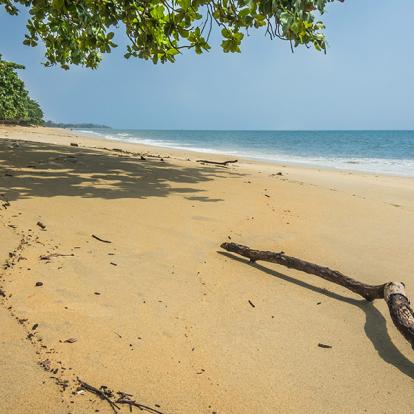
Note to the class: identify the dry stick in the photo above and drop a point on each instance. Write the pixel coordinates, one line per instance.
(49, 256)
(125, 398)
(393, 292)
(41, 225)
(101, 240)
(101, 393)
(222, 163)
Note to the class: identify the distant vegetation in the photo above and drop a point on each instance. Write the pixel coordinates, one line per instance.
(86, 125)
(16, 106)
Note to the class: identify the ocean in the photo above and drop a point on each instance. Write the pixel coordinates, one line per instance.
(390, 152)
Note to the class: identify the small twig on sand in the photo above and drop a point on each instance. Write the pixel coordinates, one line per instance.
(49, 256)
(103, 393)
(62, 383)
(125, 398)
(101, 240)
(106, 394)
(220, 163)
(41, 225)
(324, 346)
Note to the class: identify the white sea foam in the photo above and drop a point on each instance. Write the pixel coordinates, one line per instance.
(401, 167)
(89, 131)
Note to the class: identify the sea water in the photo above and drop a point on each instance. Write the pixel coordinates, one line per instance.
(389, 152)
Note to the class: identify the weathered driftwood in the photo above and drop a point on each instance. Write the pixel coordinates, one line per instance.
(392, 292)
(369, 292)
(221, 163)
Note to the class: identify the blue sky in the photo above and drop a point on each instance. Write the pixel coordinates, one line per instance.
(365, 81)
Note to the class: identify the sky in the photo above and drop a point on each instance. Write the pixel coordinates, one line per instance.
(364, 81)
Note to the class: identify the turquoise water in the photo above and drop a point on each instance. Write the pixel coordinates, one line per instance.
(372, 151)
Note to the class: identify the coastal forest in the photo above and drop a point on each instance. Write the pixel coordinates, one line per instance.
(16, 105)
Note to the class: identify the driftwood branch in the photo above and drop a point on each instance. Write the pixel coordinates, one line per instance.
(392, 292)
(221, 163)
(369, 292)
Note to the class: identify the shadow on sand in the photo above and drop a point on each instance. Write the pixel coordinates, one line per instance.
(31, 169)
(375, 325)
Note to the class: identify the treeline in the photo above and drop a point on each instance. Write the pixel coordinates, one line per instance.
(76, 126)
(16, 106)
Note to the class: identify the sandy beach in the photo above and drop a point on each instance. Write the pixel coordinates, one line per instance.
(159, 311)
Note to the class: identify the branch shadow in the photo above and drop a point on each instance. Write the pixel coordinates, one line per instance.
(31, 169)
(375, 326)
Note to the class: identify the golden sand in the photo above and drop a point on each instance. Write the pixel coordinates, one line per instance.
(160, 313)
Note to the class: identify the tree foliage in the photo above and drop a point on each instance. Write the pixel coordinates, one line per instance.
(80, 31)
(15, 102)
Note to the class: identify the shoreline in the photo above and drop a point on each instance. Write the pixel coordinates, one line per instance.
(311, 174)
(63, 136)
(154, 308)
(295, 162)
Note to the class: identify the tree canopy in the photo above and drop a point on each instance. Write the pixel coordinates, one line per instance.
(80, 31)
(16, 106)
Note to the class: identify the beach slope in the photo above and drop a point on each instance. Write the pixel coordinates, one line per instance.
(112, 273)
